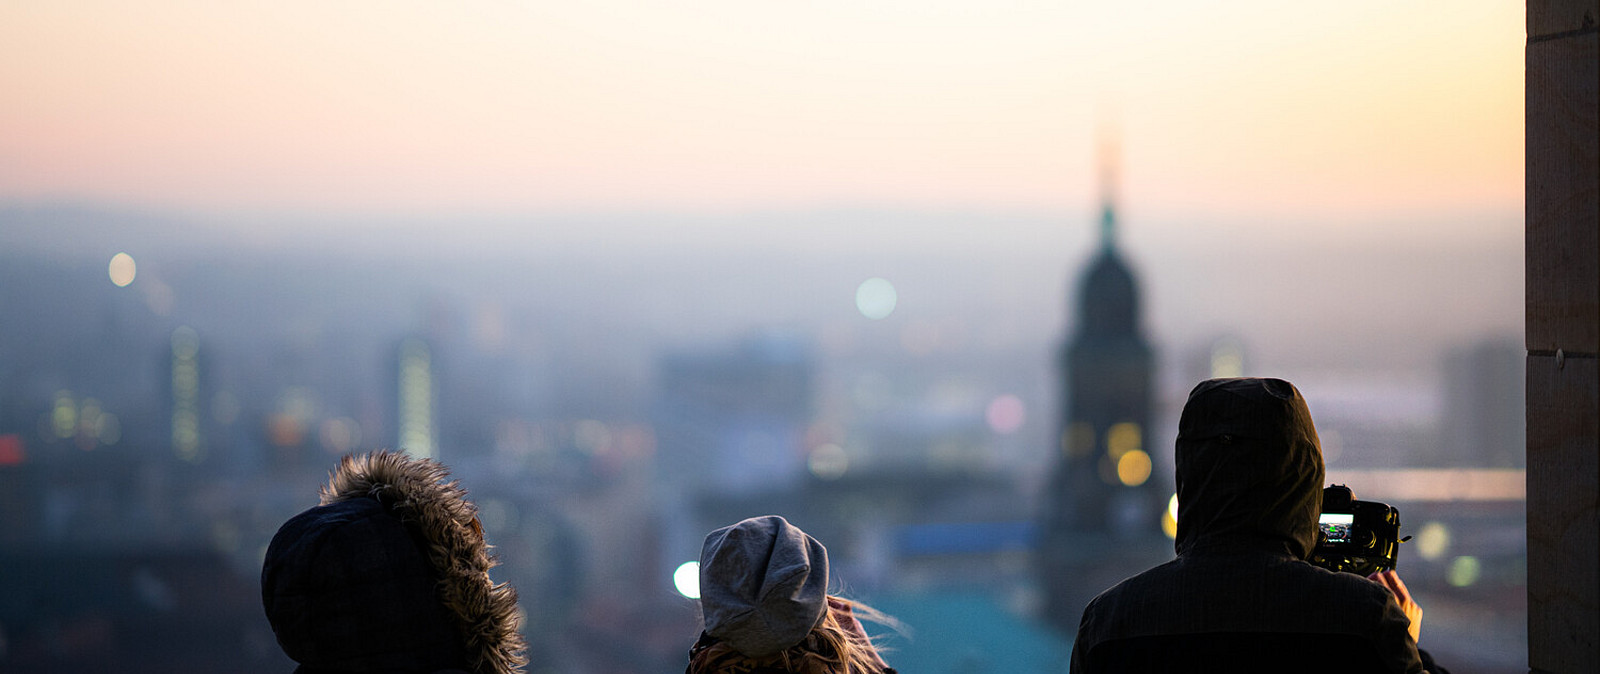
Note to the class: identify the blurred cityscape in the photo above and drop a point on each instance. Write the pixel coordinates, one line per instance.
(162, 413)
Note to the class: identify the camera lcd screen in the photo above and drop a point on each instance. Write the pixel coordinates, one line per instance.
(1336, 526)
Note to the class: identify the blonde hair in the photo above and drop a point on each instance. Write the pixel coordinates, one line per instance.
(830, 648)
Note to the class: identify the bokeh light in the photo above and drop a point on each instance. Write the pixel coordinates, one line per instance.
(687, 579)
(1005, 414)
(284, 430)
(1227, 358)
(1123, 438)
(1169, 519)
(185, 342)
(90, 418)
(1464, 571)
(64, 415)
(12, 453)
(1433, 540)
(339, 435)
(828, 461)
(289, 424)
(876, 298)
(1133, 468)
(122, 269)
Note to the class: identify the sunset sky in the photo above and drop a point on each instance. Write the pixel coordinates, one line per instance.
(1251, 112)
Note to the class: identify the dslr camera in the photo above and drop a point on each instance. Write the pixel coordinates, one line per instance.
(1360, 537)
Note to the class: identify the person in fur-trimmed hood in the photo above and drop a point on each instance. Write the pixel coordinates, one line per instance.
(390, 573)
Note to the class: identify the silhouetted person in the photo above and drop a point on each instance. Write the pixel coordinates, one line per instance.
(389, 574)
(1240, 597)
(764, 599)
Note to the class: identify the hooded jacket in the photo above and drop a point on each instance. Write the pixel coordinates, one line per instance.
(1240, 597)
(390, 573)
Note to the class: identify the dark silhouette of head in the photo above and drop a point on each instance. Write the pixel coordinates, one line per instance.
(1249, 467)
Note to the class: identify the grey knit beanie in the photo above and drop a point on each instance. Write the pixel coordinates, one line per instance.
(763, 585)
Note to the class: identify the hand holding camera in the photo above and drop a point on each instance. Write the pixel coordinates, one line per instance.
(1359, 537)
(1391, 581)
(1363, 538)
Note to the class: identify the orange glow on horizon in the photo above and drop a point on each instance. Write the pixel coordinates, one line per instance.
(403, 106)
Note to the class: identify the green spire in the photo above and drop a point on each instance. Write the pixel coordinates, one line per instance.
(1108, 225)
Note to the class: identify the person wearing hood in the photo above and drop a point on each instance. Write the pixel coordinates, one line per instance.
(765, 605)
(1240, 596)
(389, 573)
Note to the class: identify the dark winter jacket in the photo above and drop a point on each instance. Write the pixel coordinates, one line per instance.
(389, 574)
(1239, 597)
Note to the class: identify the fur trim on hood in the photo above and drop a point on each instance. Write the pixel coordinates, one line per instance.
(416, 491)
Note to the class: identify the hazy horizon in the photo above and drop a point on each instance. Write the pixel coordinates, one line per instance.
(1348, 305)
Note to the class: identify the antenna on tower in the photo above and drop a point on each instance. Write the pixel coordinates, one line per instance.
(1109, 156)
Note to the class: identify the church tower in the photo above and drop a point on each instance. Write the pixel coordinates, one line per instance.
(1102, 505)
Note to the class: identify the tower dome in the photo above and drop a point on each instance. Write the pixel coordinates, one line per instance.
(1108, 300)
(1109, 304)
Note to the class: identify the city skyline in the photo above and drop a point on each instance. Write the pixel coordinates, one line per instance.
(572, 249)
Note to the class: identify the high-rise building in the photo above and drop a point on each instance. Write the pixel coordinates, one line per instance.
(1104, 501)
(1484, 424)
(187, 440)
(415, 401)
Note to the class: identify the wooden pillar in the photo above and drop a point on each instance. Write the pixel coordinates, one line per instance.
(1563, 335)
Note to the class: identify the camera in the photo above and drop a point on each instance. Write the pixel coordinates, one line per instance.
(1360, 537)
